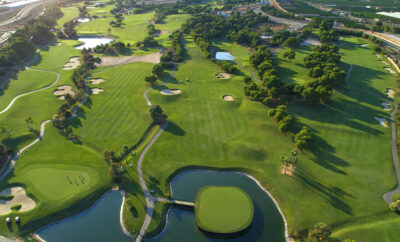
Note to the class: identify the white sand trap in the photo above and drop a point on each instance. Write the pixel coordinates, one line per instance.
(62, 91)
(311, 41)
(389, 70)
(223, 75)
(364, 45)
(385, 106)
(73, 63)
(379, 56)
(96, 91)
(96, 81)
(20, 197)
(162, 32)
(390, 92)
(382, 121)
(170, 92)
(384, 62)
(228, 98)
(58, 44)
(111, 61)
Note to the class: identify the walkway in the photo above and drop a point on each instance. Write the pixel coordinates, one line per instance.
(386, 196)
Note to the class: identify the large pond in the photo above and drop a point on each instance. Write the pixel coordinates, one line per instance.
(268, 223)
(100, 223)
(224, 56)
(92, 41)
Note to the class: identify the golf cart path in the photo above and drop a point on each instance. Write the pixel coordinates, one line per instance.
(16, 156)
(149, 198)
(386, 196)
(27, 93)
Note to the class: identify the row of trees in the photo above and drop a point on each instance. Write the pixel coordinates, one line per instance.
(35, 32)
(227, 66)
(163, 12)
(177, 50)
(59, 119)
(285, 121)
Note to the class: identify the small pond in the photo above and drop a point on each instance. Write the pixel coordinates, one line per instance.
(101, 223)
(268, 223)
(224, 56)
(92, 41)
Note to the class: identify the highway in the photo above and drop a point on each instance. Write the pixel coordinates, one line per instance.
(20, 15)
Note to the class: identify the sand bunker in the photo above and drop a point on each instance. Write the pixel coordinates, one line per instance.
(170, 92)
(310, 41)
(20, 198)
(382, 121)
(228, 98)
(96, 81)
(390, 92)
(72, 64)
(223, 75)
(162, 32)
(111, 61)
(389, 70)
(379, 56)
(288, 169)
(62, 91)
(96, 91)
(384, 62)
(364, 45)
(385, 106)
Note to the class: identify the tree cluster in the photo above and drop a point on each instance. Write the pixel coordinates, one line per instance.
(148, 41)
(36, 31)
(227, 66)
(163, 12)
(326, 31)
(285, 121)
(157, 114)
(114, 48)
(152, 31)
(177, 50)
(271, 10)
(303, 138)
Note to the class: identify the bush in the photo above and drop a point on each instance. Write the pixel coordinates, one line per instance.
(16, 207)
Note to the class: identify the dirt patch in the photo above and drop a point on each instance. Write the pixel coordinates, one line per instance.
(288, 169)
(111, 61)
(62, 91)
(20, 198)
(96, 81)
(170, 92)
(73, 63)
(163, 32)
(390, 92)
(223, 75)
(311, 41)
(385, 106)
(382, 121)
(228, 98)
(96, 91)
(389, 70)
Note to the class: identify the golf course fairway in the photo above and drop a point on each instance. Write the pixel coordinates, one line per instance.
(223, 209)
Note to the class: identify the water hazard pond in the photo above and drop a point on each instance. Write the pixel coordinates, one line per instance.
(102, 221)
(268, 224)
(92, 41)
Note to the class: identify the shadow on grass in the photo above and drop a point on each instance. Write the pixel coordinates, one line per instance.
(334, 195)
(174, 129)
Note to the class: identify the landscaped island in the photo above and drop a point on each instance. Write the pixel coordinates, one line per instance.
(223, 209)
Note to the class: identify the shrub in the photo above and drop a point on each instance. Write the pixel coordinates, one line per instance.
(16, 207)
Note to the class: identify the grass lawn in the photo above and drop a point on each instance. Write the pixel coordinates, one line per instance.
(70, 13)
(223, 209)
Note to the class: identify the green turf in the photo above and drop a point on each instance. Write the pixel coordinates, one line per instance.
(223, 209)
(69, 13)
(396, 197)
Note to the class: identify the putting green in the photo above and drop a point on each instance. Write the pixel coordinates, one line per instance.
(223, 209)
(59, 184)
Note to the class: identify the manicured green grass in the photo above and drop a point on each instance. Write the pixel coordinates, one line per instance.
(133, 30)
(396, 197)
(57, 184)
(70, 13)
(223, 209)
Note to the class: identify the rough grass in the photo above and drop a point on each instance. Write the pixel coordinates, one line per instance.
(223, 209)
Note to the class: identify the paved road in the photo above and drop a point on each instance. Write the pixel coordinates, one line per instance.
(386, 196)
(20, 15)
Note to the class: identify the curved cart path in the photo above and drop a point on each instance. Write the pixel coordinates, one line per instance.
(386, 196)
(16, 156)
(27, 93)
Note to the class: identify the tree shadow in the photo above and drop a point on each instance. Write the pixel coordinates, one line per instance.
(174, 129)
(334, 195)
